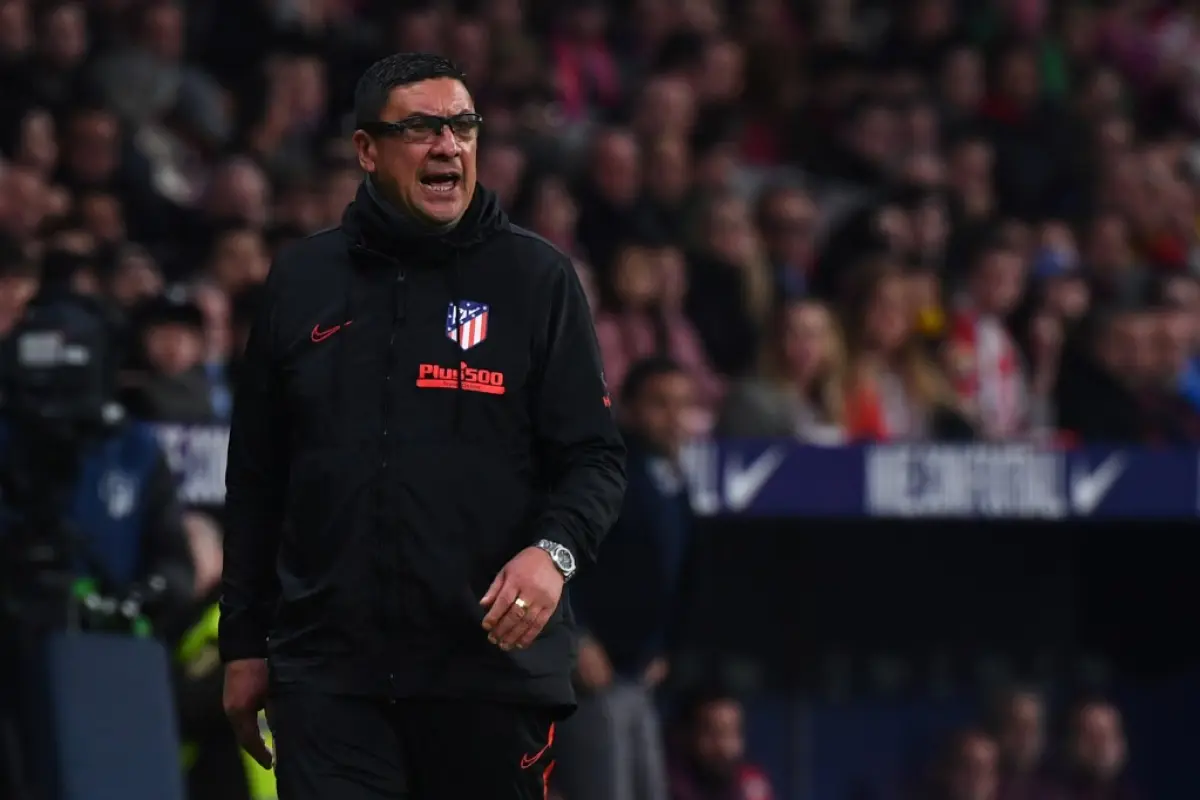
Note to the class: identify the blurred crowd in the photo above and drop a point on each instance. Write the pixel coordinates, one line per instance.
(839, 220)
(848, 219)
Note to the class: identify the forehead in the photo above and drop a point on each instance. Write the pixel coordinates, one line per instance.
(438, 96)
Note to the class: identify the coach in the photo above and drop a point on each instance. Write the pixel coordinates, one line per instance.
(422, 453)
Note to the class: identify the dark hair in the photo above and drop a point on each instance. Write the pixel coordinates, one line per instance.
(695, 702)
(1072, 720)
(400, 69)
(644, 371)
(999, 705)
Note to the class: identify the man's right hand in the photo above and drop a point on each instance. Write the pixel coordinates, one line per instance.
(595, 670)
(245, 695)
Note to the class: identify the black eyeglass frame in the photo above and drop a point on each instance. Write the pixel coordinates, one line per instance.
(435, 123)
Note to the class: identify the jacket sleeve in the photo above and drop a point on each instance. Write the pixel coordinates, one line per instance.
(166, 553)
(256, 477)
(580, 451)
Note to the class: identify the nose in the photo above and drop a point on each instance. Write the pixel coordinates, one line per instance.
(444, 144)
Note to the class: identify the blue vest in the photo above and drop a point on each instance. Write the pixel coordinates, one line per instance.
(107, 508)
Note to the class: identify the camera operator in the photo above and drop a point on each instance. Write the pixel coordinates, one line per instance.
(91, 532)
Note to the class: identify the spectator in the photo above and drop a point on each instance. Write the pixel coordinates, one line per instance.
(982, 356)
(549, 209)
(803, 377)
(18, 284)
(610, 200)
(788, 220)
(967, 770)
(709, 752)
(645, 317)
(238, 258)
(133, 277)
(1096, 754)
(895, 390)
(1018, 724)
(731, 295)
(612, 748)
(172, 384)
(1098, 394)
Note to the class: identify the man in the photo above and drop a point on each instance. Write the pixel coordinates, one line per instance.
(1019, 727)
(612, 749)
(411, 480)
(1097, 754)
(710, 752)
(967, 770)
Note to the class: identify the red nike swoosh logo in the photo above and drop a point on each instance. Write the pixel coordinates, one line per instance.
(319, 335)
(528, 760)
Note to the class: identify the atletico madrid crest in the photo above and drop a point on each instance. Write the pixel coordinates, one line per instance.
(467, 323)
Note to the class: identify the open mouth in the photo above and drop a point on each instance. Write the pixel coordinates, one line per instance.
(441, 181)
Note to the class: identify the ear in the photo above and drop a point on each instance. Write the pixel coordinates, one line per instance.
(364, 147)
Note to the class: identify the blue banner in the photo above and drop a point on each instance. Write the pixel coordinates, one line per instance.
(914, 481)
(930, 481)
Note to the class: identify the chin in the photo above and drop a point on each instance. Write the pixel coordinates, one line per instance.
(444, 213)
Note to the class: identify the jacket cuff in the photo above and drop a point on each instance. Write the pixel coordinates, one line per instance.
(559, 536)
(240, 641)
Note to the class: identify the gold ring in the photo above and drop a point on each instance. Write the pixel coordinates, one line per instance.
(522, 604)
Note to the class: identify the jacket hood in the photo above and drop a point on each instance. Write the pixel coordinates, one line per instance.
(370, 223)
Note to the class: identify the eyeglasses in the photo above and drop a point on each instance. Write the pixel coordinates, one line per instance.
(426, 128)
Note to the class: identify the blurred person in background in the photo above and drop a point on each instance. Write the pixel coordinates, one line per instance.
(801, 387)
(1110, 259)
(787, 218)
(1096, 754)
(72, 460)
(895, 390)
(611, 749)
(214, 304)
(981, 355)
(133, 277)
(731, 293)
(1100, 396)
(170, 382)
(19, 279)
(546, 206)
(708, 751)
(1018, 723)
(1174, 348)
(610, 200)
(237, 259)
(644, 315)
(967, 770)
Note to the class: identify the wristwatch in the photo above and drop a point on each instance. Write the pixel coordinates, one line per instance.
(563, 558)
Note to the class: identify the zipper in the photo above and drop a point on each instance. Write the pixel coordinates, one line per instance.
(388, 549)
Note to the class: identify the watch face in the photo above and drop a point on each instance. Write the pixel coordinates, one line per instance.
(565, 560)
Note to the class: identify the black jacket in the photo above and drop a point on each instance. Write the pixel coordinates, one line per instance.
(379, 475)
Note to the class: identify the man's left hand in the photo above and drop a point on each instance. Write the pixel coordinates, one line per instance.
(532, 577)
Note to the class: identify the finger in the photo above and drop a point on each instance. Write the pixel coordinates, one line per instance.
(515, 631)
(502, 633)
(504, 600)
(535, 628)
(246, 729)
(493, 590)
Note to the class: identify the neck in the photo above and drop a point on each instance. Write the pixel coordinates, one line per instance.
(405, 218)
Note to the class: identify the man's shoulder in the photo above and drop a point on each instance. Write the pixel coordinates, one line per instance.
(302, 263)
(535, 252)
(313, 250)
